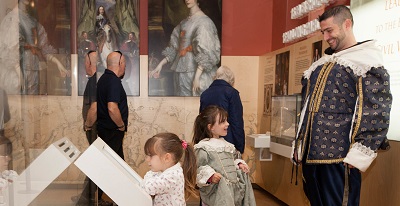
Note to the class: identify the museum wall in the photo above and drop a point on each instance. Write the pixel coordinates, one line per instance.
(250, 30)
(39, 120)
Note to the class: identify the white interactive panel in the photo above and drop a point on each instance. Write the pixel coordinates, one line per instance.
(113, 175)
(41, 172)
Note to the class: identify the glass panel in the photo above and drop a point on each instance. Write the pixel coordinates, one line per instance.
(284, 118)
(36, 106)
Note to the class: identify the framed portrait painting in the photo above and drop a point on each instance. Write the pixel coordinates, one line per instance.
(316, 50)
(282, 73)
(267, 99)
(106, 26)
(35, 57)
(184, 46)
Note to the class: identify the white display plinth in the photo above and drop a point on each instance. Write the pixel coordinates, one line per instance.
(41, 172)
(261, 144)
(113, 175)
(258, 140)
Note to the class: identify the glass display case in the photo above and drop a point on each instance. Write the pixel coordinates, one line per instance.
(285, 114)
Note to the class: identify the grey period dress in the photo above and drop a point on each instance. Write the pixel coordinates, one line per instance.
(194, 42)
(217, 155)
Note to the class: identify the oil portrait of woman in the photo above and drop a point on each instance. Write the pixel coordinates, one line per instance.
(186, 65)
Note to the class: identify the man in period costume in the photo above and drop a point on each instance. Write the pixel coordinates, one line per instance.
(345, 116)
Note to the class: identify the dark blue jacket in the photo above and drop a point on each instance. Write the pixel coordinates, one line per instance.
(221, 93)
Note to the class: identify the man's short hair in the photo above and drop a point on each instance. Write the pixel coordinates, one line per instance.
(226, 74)
(340, 14)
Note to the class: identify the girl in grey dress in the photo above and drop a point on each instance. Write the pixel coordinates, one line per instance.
(222, 179)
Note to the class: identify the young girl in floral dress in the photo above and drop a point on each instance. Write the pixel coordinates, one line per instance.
(167, 182)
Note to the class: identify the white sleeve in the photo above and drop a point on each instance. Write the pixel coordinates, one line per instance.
(237, 161)
(203, 174)
(156, 183)
(360, 156)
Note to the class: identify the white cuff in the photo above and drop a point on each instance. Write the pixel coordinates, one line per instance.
(360, 156)
(203, 174)
(299, 156)
(292, 153)
(237, 161)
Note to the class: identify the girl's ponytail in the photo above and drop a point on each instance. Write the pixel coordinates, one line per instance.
(189, 166)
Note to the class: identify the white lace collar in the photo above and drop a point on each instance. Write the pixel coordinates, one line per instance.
(360, 58)
(217, 145)
(99, 17)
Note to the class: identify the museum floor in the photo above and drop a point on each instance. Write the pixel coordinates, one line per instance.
(54, 196)
(263, 198)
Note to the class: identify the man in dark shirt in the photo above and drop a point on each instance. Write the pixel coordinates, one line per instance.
(89, 115)
(112, 106)
(89, 107)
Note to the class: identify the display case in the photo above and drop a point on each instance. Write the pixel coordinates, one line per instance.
(285, 114)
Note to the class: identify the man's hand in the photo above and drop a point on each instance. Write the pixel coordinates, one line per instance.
(121, 128)
(349, 165)
(295, 159)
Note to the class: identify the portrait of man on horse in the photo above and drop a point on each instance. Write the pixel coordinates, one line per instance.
(110, 24)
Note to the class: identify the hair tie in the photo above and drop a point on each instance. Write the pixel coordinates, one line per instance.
(184, 144)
